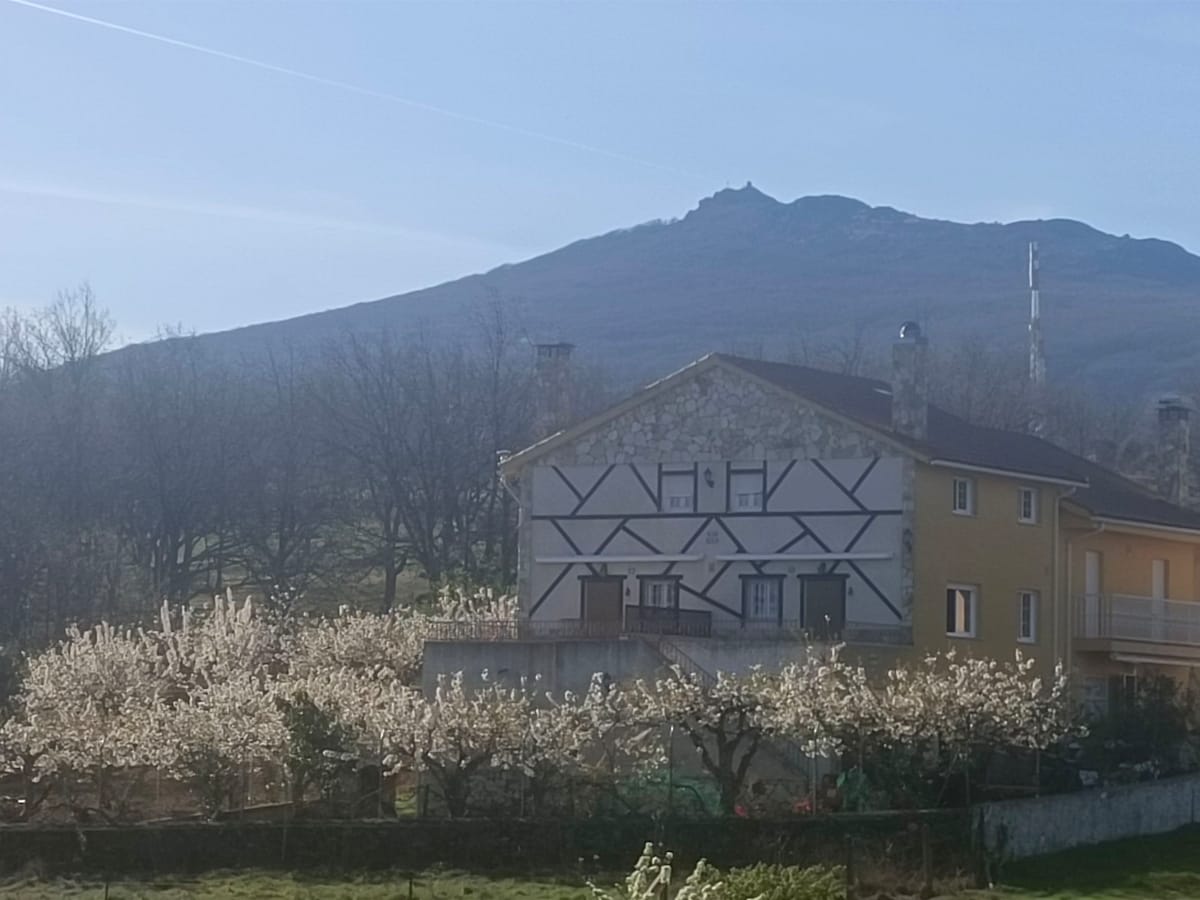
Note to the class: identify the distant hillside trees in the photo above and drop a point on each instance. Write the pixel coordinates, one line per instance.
(161, 473)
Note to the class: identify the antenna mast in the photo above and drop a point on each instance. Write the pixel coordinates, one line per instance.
(1037, 350)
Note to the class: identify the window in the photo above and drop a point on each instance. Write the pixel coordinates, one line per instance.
(1027, 505)
(762, 598)
(660, 593)
(746, 491)
(1095, 696)
(961, 610)
(964, 497)
(1027, 616)
(678, 492)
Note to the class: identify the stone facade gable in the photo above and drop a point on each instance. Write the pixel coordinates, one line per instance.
(716, 414)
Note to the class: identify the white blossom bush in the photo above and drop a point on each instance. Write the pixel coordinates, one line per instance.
(955, 709)
(454, 735)
(386, 646)
(83, 708)
(726, 721)
(227, 641)
(208, 697)
(218, 736)
(821, 700)
(462, 603)
(651, 879)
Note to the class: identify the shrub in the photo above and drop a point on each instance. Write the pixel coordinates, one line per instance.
(774, 882)
(651, 879)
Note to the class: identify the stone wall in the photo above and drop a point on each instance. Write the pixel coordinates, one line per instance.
(1021, 828)
(718, 414)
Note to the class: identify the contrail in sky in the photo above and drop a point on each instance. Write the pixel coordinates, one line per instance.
(357, 89)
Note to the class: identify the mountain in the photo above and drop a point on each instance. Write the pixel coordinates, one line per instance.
(743, 270)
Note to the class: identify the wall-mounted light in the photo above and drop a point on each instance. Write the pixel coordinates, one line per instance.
(708, 476)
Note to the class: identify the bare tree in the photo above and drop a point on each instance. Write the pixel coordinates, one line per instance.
(58, 558)
(286, 539)
(176, 414)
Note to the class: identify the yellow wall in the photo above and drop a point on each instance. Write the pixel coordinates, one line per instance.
(1126, 557)
(1126, 560)
(990, 550)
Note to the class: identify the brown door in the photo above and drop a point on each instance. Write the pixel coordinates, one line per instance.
(601, 604)
(824, 605)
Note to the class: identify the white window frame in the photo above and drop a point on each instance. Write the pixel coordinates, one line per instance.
(748, 585)
(670, 588)
(743, 500)
(972, 610)
(678, 486)
(967, 508)
(1034, 600)
(1033, 494)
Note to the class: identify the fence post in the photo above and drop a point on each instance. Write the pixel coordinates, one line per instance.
(926, 862)
(849, 865)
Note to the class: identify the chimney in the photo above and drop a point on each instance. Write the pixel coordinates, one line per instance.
(554, 396)
(910, 382)
(1174, 449)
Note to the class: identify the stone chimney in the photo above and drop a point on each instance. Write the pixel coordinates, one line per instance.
(1174, 449)
(910, 382)
(553, 389)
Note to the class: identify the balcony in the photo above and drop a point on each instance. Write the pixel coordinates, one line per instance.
(1123, 624)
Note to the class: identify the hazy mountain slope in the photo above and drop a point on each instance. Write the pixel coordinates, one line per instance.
(743, 268)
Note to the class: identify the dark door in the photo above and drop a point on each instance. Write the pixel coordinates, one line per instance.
(601, 604)
(824, 605)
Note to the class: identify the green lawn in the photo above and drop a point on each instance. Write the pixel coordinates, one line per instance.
(280, 886)
(1142, 869)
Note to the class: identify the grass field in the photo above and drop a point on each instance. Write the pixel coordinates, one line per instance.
(279, 886)
(1142, 869)
(1167, 866)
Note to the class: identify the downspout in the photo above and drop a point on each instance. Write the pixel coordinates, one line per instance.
(1054, 564)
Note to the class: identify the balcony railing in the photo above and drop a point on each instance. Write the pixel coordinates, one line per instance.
(1132, 618)
(665, 622)
(660, 620)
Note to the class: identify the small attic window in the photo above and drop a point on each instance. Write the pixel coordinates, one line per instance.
(963, 503)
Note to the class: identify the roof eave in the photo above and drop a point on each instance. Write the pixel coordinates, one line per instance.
(947, 463)
(1141, 525)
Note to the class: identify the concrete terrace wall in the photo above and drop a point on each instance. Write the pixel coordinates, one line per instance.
(564, 665)
(1023, 828)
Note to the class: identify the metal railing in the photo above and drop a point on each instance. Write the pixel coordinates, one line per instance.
(1128, 617)
(847, 632)
(521, 630)
(652, 621)
(660, 620)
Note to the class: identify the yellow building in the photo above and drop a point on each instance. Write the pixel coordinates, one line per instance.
(737, 506)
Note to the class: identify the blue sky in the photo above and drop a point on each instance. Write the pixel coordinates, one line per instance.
(200, 190)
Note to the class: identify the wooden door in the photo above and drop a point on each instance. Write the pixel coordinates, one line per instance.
(601, 604)
(824, 605)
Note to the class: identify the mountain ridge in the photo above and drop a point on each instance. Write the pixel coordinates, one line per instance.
(742, 266)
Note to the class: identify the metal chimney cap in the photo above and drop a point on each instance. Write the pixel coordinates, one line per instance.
(910, 331)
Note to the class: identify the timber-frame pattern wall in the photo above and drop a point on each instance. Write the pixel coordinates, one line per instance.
(816, 517)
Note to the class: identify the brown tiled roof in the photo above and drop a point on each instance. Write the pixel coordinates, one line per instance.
(952, 439)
